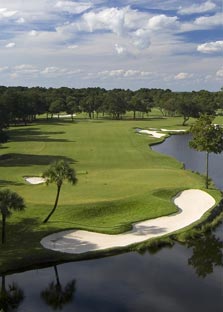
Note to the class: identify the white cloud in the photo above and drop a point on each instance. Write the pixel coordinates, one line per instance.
(119, 49)
(73, 7)
(141, 39)
(121, 46)
(3, 68)
(182, 76)
(210, 47)
(4, 12)
(128, 24)
(162, 22)
(197, 8)
(132, 73)
(219, 73)
(121, 73)
(73, 46)
(108, 19)
(20, 20)
(210, 21)
(58, 71)
(33, 33)
(26, 69)
(10, 45)
(51, 70)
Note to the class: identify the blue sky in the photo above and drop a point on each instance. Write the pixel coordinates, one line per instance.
(112, 44)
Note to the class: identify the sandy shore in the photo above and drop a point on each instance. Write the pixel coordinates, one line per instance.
(192, 205)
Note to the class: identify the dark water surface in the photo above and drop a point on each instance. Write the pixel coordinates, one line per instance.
(177, 146)
(179, 279)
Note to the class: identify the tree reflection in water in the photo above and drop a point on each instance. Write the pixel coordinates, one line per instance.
(55, 295)
(207, 253)
(10, 297)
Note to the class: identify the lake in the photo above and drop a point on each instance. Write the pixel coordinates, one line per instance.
(181, 278)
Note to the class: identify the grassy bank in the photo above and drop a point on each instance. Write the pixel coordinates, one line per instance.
(120, 181)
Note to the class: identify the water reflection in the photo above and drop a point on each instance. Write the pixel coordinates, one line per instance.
(176, 279)
(10, 296)
(55, 295)
(207, 254)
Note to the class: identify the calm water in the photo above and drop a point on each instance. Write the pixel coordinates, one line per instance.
(178, 147)
(178, 279)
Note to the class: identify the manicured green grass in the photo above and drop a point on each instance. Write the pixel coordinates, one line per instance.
(120, 181)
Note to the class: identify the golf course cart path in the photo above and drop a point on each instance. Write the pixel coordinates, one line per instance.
(192, 204)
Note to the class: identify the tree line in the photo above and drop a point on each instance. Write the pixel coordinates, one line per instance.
(22, 104)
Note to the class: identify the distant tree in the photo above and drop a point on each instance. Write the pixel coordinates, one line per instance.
(9, 201)
(186, 106)
(88, 105)
(115, 103)
(56, 107)
(57, 173)
(72, 106)
(206, 137)
(134, 104)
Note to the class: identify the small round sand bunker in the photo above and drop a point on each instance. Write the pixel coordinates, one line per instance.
(35, 180)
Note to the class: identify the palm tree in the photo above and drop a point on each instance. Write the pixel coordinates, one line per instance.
(9, 201)
(57, 173)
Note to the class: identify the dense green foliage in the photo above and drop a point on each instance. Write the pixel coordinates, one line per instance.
(22, 105)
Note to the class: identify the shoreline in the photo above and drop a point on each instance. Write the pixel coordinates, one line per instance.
(192, 205)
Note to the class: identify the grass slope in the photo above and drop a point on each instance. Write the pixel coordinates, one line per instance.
(120, 181)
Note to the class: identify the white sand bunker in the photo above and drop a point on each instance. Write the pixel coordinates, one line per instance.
(64, 116)
(172, 130)
(35, 180)
(192, 205)
(156, 133)
(153, 133)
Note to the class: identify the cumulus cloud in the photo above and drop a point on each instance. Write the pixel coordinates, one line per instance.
(73, 46)
(33, 33)
(209, 21)
(51, 70)
(3, 68)
(210, 47)
(162, 22)
(134, 26)
(197, 8)
(122, 73)
(26, 69)
(10, 45)
(73, 7)
(119, 49)
(4, 12)
(20, 20)
(141, 39)
(123, 22)
(110, 19)
(58, 71)
(219, 73)
(182, 76)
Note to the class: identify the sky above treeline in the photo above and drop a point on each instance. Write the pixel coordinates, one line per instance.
(127, 44)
